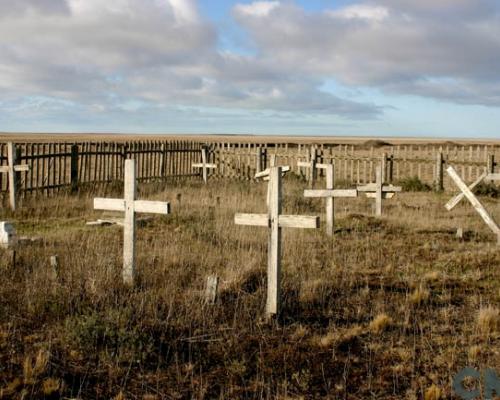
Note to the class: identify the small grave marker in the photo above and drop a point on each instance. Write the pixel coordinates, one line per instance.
(204, 165)
(379, 191)
(211, 289)
(329, 194)
(275, 221)
(11, 169)
(130, 206)
(8, 236)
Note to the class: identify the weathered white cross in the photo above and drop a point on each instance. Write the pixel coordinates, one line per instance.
(11, 169)
(329, 194)
(312, 164)
(379, 191)
(467, 192)
(204, 165)
(275, 221)
(130, 206)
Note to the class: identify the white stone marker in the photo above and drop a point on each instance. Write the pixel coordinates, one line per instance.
(379, 191)
(11, 170)
(204, 165)
(274, 221)
(329, 194)
(8, 237)
(130, 206)
(485, 215)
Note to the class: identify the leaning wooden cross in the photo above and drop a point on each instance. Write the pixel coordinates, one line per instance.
(204, 165)
(379, 191)
(274, 220)
(312, 164)
(467, 192)
(11, 169)
(329, 194)
(130, 206)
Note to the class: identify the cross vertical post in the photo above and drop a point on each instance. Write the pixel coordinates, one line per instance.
(274, 242)
(129, 223)
(329, 194)
(378, 195)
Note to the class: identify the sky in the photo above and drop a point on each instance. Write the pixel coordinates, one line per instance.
(427, 68)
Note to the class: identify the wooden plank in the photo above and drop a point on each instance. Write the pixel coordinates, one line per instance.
(274, 244)
(298, 221)
(487, 218)
(372, 187)
(129, 223)
(330, 201)
(455, 200)
(152, 207)
(252, 219)
(326, 193)
(109, 204)
(11, 155)
(493, 177)
(378, 198)
(265, 173)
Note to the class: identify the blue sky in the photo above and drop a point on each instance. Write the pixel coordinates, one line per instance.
(365, 67)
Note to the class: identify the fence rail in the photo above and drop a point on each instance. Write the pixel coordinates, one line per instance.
(54, 166)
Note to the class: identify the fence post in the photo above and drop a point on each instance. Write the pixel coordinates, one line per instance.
(491, 164)
(391, 168)
(74, 168)
(439, 172)
(313, 171)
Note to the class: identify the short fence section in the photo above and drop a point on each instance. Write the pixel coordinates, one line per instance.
(54, 166)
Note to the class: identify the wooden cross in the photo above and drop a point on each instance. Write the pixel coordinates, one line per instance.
(11, 169)
(130, 206)
(204, 165)
(312, 164)
(275, 221)
(379, 191)
(467, 192)
(329, 194)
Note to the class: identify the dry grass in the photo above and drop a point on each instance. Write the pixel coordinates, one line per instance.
(388, 309)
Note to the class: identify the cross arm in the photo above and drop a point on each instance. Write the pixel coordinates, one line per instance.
(265, 173)
(331, 193)
(305, 164)
(493, 177)
(109, 204)
(21, 168)
(198, 165)
(152, 207)
(284, 221)
(4, 169)
(372, 187)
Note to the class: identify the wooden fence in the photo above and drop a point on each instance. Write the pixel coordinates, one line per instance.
(54, 166)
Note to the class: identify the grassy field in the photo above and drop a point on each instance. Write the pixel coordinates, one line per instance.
(388, 309)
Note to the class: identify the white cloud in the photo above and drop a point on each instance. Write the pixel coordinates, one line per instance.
(361, 11)
(257, 8)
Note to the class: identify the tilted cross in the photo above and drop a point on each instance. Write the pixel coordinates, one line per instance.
(130, 206)
(329, 194)
(204, 165)
(312, 164)
(467, 192)
(11, 169)
(275, 221)
(379, 191)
